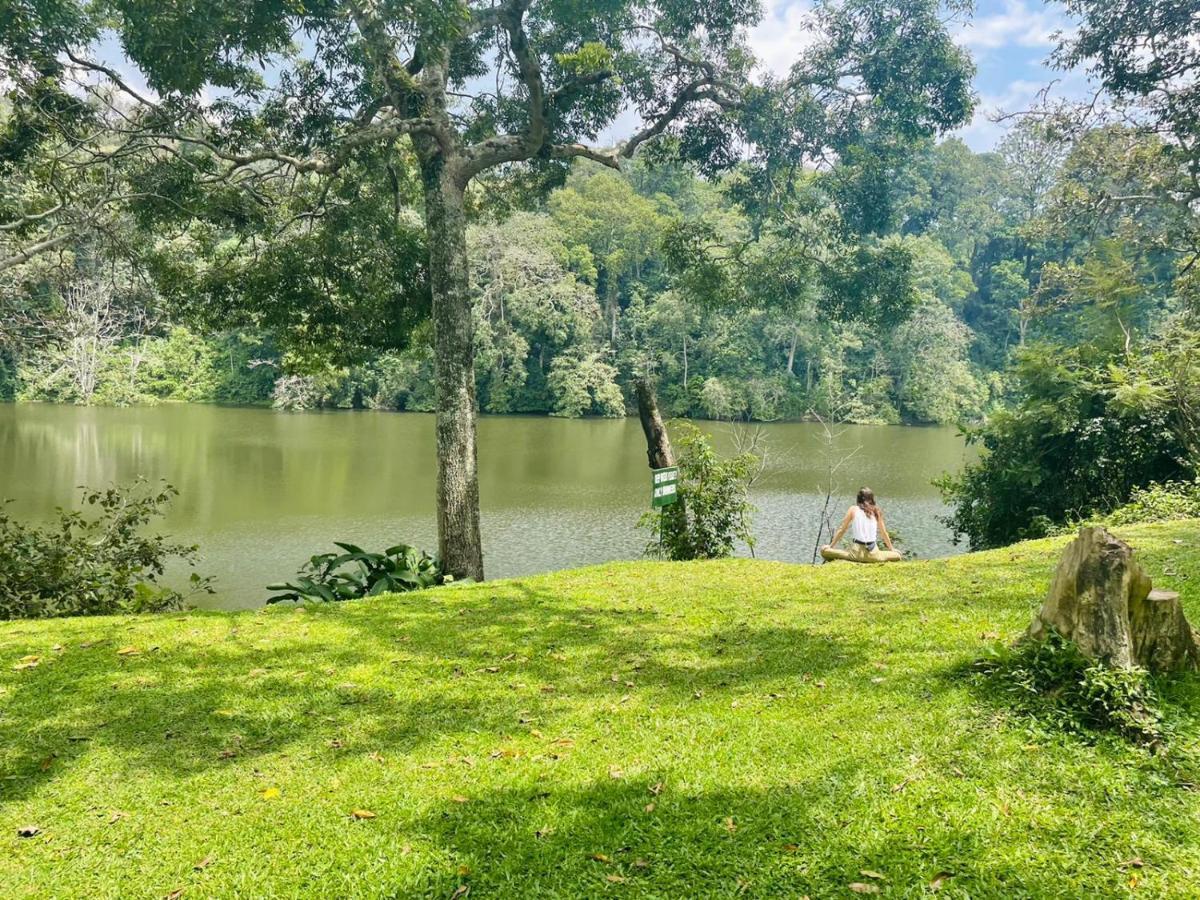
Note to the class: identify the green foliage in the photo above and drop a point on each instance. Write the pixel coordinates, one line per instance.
(1158, 503)
(1054, 682)
(713, 511)
(9, 384)
(584, 385)
(356, 573)
(1064, 451)
(98, 563)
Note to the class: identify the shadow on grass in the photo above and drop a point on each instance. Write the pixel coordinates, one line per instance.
(812, 836)
(391, 676)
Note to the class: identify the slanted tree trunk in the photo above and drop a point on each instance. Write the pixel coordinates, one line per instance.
(658, 442)
(459, 544)
(1103, 601)
(658, 448)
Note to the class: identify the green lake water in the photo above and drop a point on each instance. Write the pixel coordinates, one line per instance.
(260, 490)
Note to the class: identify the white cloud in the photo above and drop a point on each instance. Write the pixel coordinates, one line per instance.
(783, 34)
(1018, 25)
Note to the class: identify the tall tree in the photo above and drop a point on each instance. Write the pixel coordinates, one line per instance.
(249, 98)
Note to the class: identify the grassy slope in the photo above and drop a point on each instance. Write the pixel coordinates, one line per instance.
(804, 724)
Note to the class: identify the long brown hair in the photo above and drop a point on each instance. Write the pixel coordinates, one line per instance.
(866, 502)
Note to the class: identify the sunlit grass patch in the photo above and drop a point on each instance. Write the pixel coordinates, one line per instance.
(637, 729)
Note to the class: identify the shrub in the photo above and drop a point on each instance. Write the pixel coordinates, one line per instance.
(93, 564)
(355, 573)
(1065, 451)
(1054, 681)
(713, 511)
(1159, 503)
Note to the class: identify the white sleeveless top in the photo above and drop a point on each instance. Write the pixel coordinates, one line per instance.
(864, 528)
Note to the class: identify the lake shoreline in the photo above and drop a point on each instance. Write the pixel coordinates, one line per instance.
(261, 491)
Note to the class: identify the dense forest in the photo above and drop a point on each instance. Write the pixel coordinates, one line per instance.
(368, 226)
(1004, 250)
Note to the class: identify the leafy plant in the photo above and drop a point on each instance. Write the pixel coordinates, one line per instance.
(93, 564)
(1054, 681)
(713, 510)
(356, 573)
(1159, 503)
(1066, 450)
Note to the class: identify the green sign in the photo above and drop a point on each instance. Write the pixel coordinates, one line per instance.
(664, 486)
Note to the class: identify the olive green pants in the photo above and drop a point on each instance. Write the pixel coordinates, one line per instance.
(860, 554)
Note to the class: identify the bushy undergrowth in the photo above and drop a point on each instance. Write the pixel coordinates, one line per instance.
(1159, 503)
(95, 562)
(1054, 682)
(355, 573)
(713, 511)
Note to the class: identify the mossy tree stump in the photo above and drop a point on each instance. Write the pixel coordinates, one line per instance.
(1103, 601)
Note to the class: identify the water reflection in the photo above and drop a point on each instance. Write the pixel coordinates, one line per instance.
(262, 490)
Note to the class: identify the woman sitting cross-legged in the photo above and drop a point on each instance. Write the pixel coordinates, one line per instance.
(864, 521)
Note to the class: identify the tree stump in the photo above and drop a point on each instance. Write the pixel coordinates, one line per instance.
(1103, 601)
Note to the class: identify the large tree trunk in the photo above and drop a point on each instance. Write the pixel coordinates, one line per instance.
(1102, 600)
(459, 543)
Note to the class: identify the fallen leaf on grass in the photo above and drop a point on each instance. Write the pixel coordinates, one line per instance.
(117, 816)
(649, 807)
(657, 788)
(867, 873)
(940, 879)
(600, 858)
(458, 798)
(791, 848)
(128, 651)
(464, 871)
(859, 888)
(615, 773)
(615, 879)
(462, 891)
(203, 864)
(730, 825)
(271, 793)
(174, 895)
(362, 814)
(543, 832)
(1135, 863)
(28, 831)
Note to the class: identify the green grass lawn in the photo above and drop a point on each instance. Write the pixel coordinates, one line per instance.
(735, 728)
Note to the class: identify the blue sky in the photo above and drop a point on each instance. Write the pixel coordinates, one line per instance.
(1009, 40)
